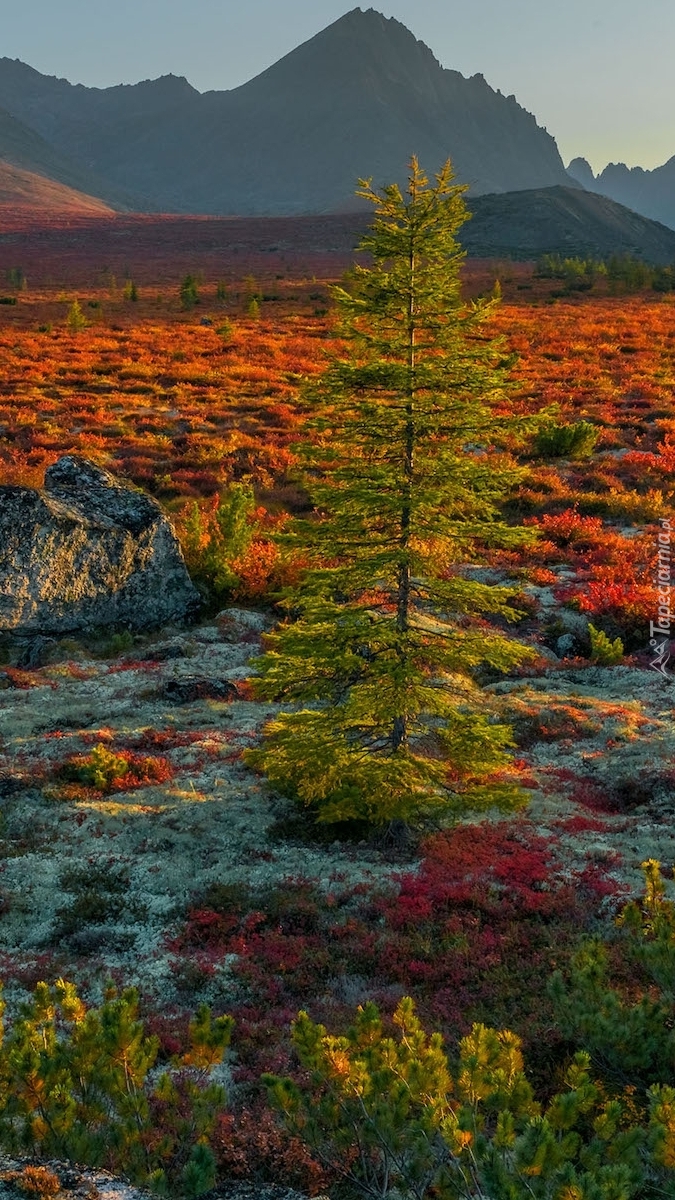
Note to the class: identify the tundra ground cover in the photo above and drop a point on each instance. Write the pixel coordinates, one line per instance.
(179, 873)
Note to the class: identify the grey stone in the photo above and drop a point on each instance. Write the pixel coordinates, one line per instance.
(547, 653)
(574, 622)
(241, 625)
(565, 645)
(34, 652)
(87, 552)
(191, 688)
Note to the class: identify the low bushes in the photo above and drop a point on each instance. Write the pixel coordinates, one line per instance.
(104, 771)
(387, 1112)
(382, 1109)
(79, 1084)
(567, 441)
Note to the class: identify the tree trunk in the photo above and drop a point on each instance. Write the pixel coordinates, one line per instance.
(399, 730)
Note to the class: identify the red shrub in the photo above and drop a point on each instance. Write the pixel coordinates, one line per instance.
(251, 1145)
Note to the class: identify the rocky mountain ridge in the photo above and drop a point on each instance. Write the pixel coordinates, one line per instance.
(357, 99)
(651, 193)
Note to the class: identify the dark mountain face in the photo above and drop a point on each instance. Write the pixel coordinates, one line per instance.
(356, 100)
(22, 147)
(565, 221)
(651, 193)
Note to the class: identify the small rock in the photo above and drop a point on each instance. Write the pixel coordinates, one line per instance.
(241, 625)
(574, 622)
(35, 653)
(565, 645)
(164, 652)
(191, 688)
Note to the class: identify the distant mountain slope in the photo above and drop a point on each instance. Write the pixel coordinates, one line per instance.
(651, 193)
(22, 147)
(358, 99)
(26, 190)
(559, 220)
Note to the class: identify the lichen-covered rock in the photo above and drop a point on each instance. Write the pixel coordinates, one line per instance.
(88, 552)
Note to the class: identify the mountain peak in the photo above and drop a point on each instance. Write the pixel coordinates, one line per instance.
(580, 170)
(356, 100)
(369, 23)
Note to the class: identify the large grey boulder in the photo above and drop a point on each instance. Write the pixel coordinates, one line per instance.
(88, 552)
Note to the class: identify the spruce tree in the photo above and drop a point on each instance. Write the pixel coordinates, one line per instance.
(406, 464)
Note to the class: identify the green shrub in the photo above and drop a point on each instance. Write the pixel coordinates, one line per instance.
(79, 1084)
(618, 999)
(116, 644)
(567, 441)
(100, 770)
(386, 1114)
(189, 292)
(16, 278)
(603, 651)
(76, 320)
(664, 279)
(213, 540)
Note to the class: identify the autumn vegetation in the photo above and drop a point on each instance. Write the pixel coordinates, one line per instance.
(486, 1024)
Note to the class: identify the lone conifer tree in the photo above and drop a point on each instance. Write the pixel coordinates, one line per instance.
(404, 470)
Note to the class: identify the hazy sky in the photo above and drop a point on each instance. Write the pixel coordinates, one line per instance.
(597, 73)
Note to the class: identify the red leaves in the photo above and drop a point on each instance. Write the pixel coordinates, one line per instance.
(569, 528)
(518, 860)
(251, 1145)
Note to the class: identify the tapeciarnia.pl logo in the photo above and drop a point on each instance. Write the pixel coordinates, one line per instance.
(659, 630)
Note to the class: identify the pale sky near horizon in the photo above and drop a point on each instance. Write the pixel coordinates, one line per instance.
(596, 73)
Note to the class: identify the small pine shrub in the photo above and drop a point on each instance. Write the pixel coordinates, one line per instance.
(116, 644)
(567, 441)
(101, 769)
(603, 651)
(106, 771)
(384, 1112)
(80, 1085)
(214, 539)
(16, 278)
(617, 997)
(189, 292)
(76, 320)
(130, 291)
